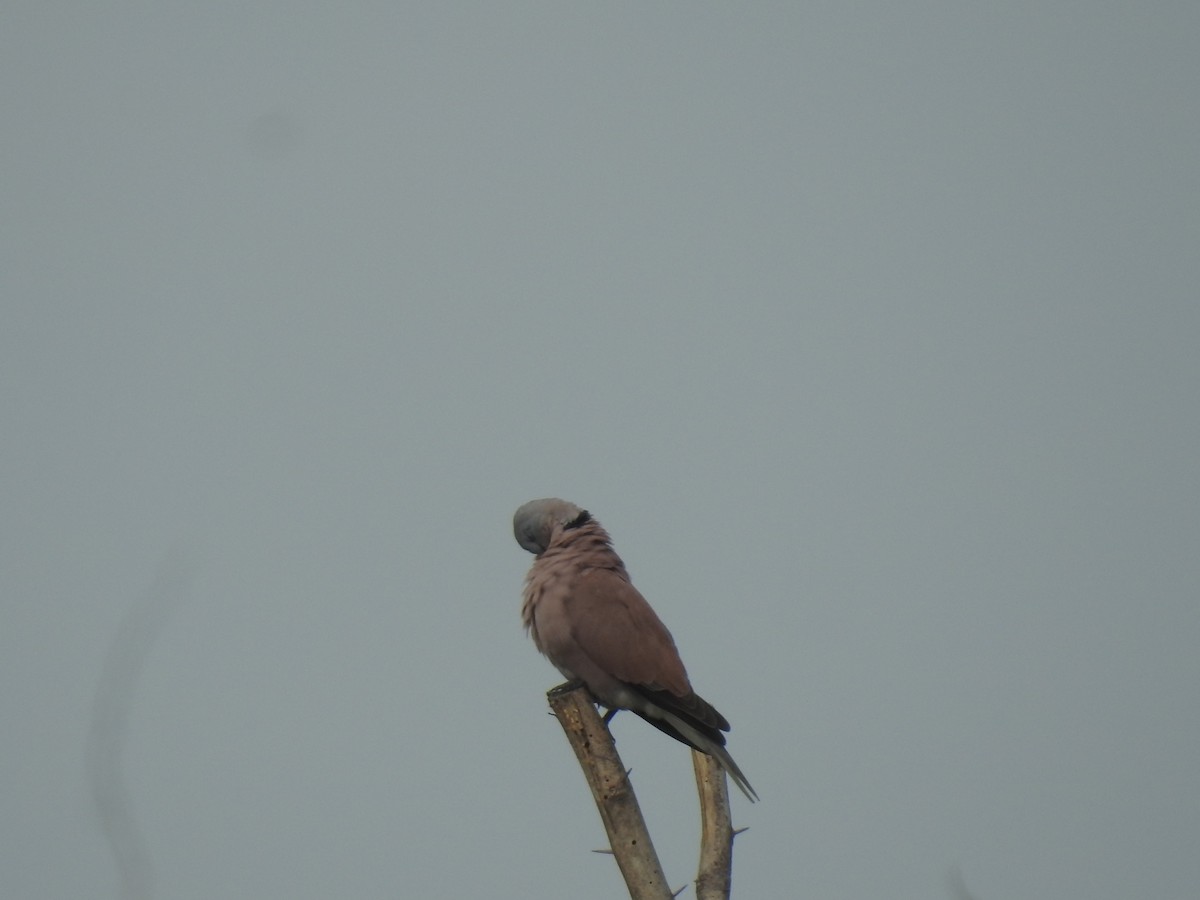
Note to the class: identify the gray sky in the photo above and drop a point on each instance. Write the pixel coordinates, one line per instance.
(869, 330)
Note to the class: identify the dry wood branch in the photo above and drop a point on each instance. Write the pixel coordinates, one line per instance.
(715, 874)
(609, 783)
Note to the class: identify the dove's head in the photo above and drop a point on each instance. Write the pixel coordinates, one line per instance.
(535, 522)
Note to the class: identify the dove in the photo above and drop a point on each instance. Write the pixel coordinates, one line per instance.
(584, 615)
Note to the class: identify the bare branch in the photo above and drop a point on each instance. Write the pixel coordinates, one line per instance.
(605, 774)
(713, 881)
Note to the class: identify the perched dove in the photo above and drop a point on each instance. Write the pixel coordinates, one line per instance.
(585, 615)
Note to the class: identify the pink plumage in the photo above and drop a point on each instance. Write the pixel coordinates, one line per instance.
(584, 614)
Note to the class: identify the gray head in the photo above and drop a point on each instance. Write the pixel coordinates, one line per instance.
(534, 523)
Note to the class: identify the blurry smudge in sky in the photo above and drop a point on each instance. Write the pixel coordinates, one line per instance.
(116, 693)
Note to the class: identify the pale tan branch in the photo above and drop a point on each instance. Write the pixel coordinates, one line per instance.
(609, 783)
(715, 873)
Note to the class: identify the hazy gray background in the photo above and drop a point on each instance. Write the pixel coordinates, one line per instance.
(870, 331)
